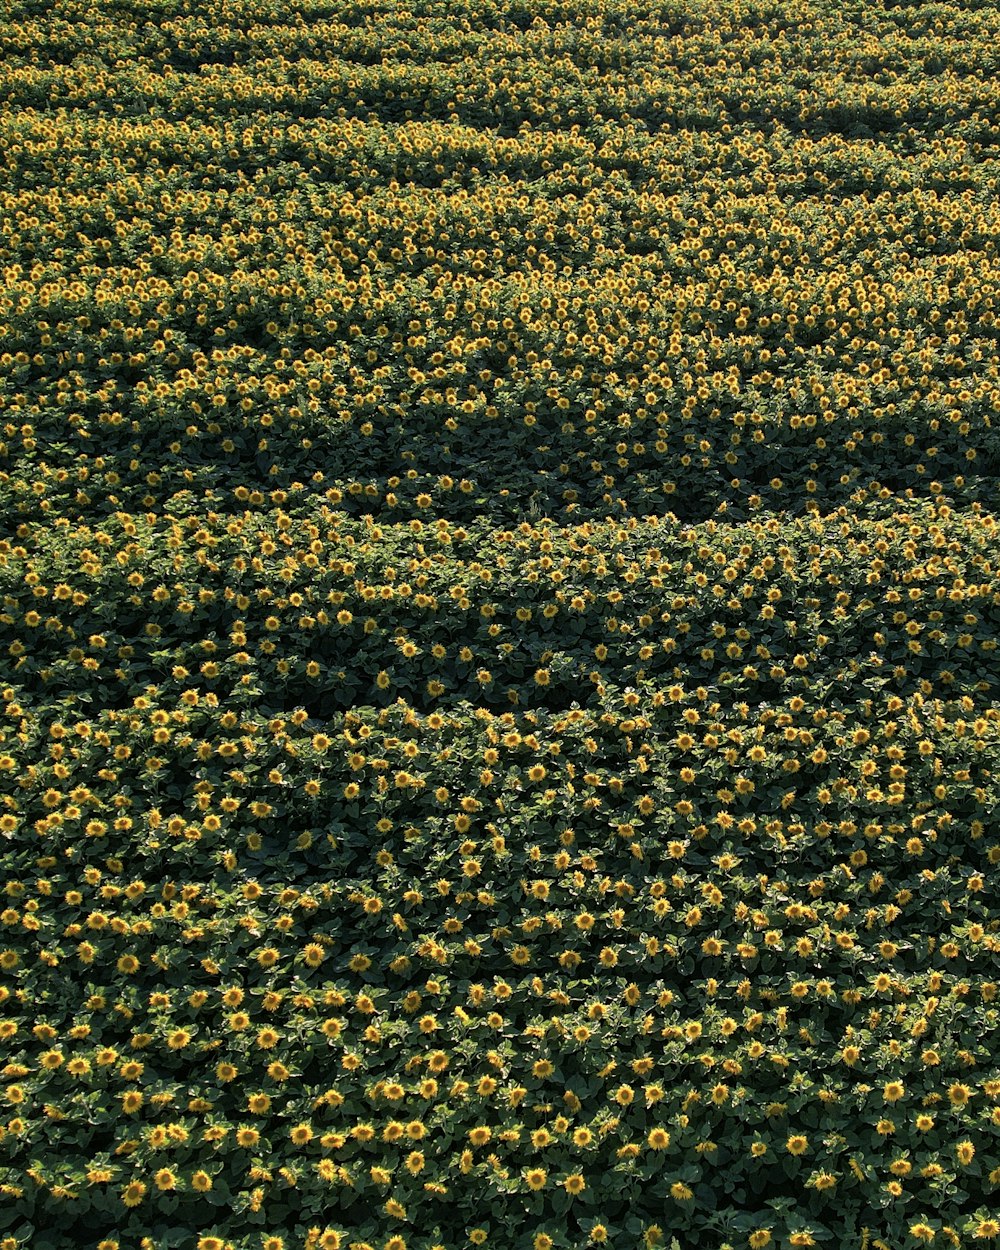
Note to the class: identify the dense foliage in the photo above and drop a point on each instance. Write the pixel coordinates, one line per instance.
(499, 609)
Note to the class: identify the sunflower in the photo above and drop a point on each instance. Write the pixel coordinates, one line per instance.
(133, 1193)
(959, 1095)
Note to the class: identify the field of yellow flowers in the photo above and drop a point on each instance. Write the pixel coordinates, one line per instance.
(499, 621)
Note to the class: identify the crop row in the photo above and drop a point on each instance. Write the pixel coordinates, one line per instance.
(308, 606)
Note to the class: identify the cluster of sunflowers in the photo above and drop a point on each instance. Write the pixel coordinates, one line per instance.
(307, 605)
(499, 612)
(688, 258)
(448, 973)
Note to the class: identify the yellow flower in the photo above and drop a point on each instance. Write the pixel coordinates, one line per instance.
(658, 1139)
(797, 1145)
(133, 1193)
(536, 1178)
(313, 955)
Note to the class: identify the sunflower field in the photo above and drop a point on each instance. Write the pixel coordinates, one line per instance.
(499, 624)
